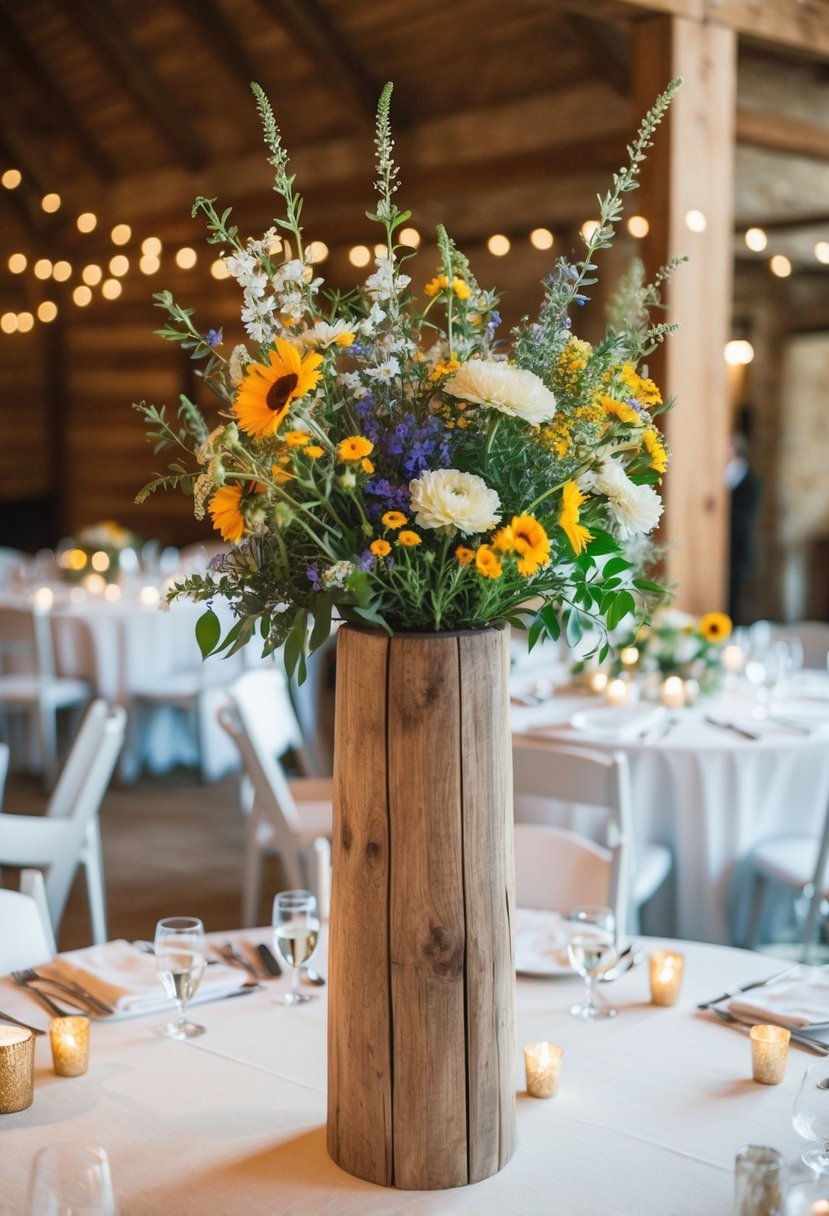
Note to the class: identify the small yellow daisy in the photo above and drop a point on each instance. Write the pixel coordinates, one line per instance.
(380, 548)
(409, 539)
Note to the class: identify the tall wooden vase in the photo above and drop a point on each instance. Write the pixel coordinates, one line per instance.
(421, 1044)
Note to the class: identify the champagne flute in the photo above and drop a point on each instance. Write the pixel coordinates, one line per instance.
(180, 962)
(592, 950)
(296, 929)
(71, 1179)
(810, 1115)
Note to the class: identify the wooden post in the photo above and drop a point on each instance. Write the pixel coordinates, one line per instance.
(421, 1023)
(691, 168)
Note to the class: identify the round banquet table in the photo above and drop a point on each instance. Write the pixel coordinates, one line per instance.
(652, 1108)
(706, 792)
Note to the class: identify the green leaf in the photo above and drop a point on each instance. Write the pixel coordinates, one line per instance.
(208, 632)
(603, 542)
(615, 566)
(645, 584)
(573, 630)
(322, 623)
(295, 642)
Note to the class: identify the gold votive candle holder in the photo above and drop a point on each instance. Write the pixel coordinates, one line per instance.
(17, 1069)
(542, 1062)
(769, 1053)
(69, 1038)
(666, 968)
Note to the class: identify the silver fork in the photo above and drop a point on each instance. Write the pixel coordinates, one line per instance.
(28, 975)
(803, 1040)
(46, 1000)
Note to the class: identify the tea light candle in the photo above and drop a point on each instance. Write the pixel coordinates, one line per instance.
(617, 692)
(542, 1062)
(672, 693)
(629, 656)
(769, 1053)
(598, 681)
(70, 1045)
(666, 969)
(17, 1069)
(732, 658)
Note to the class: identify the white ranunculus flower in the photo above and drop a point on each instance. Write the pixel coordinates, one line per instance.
(635, 509)
(448, 498)
(512, 390)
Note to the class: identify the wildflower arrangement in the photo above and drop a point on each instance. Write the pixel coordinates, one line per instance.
(384, 457)
(676, 643)
(96, 548)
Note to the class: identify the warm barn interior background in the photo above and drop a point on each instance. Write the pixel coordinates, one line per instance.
(508, 118)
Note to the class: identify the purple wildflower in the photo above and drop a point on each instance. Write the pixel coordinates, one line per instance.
(213, 338)
(313, 575)
(366, 560)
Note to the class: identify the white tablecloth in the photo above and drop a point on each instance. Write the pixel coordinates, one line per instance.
(708, 794)
(652, 1109)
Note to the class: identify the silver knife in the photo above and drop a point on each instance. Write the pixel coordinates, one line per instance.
(799, 1037)
(738, 730)
(748, 987)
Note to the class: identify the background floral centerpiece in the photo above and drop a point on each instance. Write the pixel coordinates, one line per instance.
(385, 457)
(677, 644)
(96, 549)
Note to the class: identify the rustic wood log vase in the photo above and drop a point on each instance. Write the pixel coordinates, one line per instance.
(421, 1048)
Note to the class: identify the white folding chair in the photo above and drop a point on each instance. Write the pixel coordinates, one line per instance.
(546, 774)
(287, 815)
(26, 937)
(28, 680)
(797, 864)
(68, 834)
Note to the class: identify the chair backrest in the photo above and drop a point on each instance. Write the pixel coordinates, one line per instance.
(57, 839)
(26, 937)
(547, 771)
(272, 797)
(26, 640)
(262, 699)
(556, 870)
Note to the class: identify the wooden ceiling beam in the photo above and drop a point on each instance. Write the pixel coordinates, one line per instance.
(605, 49)
(786, 223)
(338, 65)
(781, 133)
(221, 35)
(795, 24)
(52, 98)
(115, 49)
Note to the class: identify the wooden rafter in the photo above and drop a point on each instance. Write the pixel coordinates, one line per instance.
(53, 98)
(116, 50)
(780, 133)
(605, 49)
(337, 65)
(220, 33)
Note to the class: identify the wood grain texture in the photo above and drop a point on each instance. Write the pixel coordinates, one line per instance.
(421, 942)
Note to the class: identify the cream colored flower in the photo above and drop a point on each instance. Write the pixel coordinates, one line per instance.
(512, 390)
(635, 509)
(448, 498)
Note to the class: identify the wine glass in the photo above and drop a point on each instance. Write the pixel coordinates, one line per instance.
(592, 949)
(808, 1197)
(296, 929)
(68, 1179)
(180, 962)
(811, 1115)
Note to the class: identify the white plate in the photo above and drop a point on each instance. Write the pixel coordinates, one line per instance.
(540, 944)
(618, 721)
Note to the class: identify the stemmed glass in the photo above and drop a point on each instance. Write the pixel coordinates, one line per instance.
(71, 1178)
(180, 962)
(296, 929)
(592, 949)
(811, 1115)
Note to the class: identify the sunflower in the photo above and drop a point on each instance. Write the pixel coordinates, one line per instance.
(487, 563)
(269, 389)
(568, 520)
(530, 542)
(715, 626)
(225, 509)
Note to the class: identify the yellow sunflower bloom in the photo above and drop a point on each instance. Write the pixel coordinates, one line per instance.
(487, 563)
(715, 626)
(654, 446)
(393, 519)
(355, 447)
(380, 548)
(409, 539)
(577, 534)
(464, 555)
(530, 542)
(621, 410)
(269, 389)
(225, 509)
(438, 283)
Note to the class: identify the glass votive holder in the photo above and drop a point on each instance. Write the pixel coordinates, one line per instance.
(769, 1053)
(69, 1038)
(542, 1062)
(17, 1069)
(672, 692)
(666, 968)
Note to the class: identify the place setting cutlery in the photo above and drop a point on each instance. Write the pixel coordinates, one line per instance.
(799, 1035)
(7, 1017)
(733, 727)
(27, 977)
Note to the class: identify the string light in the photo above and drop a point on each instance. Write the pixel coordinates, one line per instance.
(87, 221)
(822, 252)
(47, 310)
(541, 238)
(120, 234)
(17, 263)
(11, 179)
(111, 289)
(92, 275)
(738, 352)
(218, 269)
(499, 245)
(315, 252)
(638, 227)
(82, 296)
(588, 228)
(61, 271)
(410, 237)
(43, 268)
(780, 266)
(186, 258)
(119, 265)
(695, 221)
(25, 322)
(359, 255)
(151, 246)
(149, 264)
(8, 322)
(50, 202)
(756, 239)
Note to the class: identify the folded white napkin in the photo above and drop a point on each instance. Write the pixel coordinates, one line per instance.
(540, 943)
(126, 978)
(621, 722)
(800, 999)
